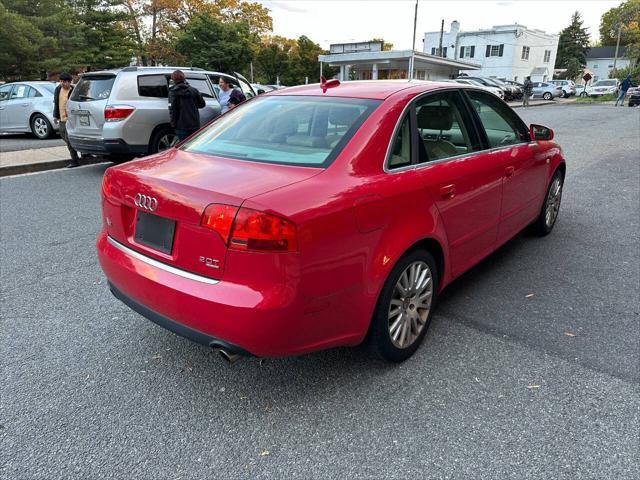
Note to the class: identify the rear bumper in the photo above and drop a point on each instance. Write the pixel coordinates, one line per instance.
(176, 327)
(265, 321)
(101, 146)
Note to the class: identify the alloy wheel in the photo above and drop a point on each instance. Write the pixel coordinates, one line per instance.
(168, 140)
(410, 304)
(553, 202)
(40, 127)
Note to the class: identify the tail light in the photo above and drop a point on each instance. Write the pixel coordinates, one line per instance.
(106, 185)
(116, 113)
(251, 230)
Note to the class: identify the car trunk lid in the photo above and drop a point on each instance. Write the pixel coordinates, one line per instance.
(162, 199)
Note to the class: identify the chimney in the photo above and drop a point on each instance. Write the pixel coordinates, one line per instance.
(455, 26)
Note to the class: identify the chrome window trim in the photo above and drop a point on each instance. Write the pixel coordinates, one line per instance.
(441, 160)
(160, 265)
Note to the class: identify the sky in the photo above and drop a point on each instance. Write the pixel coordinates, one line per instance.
(341, 21)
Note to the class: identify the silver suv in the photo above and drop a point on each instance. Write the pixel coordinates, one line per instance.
(121, 114)
(568, 87)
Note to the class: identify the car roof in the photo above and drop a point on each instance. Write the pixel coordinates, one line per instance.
(116, 71)
(370, 89)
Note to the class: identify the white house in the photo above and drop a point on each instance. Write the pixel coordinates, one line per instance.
(511, 52)
(600, 61)
(367, 61)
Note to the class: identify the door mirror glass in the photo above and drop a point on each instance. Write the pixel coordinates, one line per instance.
(539, 132)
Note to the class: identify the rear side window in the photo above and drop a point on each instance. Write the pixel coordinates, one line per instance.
(92, 88)
(442, 121)
(153, 86)
(307, 131)
(4, 92)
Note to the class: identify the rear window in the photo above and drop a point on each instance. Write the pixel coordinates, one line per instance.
(605, 83)
(50, 87)
(92, 88)
(307, 131)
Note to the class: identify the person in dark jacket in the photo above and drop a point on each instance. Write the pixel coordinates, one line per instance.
(60, 97)
(184, 102)
(624, 88)
(527, 91)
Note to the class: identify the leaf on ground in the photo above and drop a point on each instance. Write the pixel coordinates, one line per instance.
(533, 387)
(530, 295)
(264, 453)
(570, 334)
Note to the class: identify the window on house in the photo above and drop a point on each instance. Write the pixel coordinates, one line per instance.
(444, 51)
(467, 52)
(494, 50)
(547, 56)
(595, 66)
(433, 51)
(525, 53)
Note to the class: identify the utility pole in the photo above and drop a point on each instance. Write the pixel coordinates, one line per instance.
(413, 44)
(441, 35)
(615, 59)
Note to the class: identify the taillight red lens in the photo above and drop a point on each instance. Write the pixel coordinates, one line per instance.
(219, 218)
(106, 185)
(115, 113)
(255, 230)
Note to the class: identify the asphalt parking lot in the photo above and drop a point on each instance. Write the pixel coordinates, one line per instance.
(529, 370)
(22, 141)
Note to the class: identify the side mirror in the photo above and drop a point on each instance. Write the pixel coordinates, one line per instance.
(539, 132)
(260, 91)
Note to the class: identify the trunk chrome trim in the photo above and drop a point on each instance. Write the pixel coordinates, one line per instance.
(160, 265)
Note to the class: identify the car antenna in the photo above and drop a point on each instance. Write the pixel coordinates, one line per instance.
(326, 84)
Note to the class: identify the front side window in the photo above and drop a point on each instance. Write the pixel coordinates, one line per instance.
(201, 85)
(5, 90)
(287, 130)
(501, 124)
(441, 121)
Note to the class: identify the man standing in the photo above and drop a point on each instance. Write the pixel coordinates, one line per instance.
(60, 97)
(224, 94)
(624, 87)
(527, 91)
(184, 102)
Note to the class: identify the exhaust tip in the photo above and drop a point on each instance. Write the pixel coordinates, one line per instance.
(228, 357)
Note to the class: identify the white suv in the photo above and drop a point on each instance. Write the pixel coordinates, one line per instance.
(601, 87)
(121, 114)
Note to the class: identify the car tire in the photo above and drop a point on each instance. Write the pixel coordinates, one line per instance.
(550, 209)
(162, 140)
(547, 96)
(120, 158)
(41, 127)
(399, 323)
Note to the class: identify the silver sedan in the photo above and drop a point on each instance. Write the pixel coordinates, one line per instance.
(27, 107)
(548, 91)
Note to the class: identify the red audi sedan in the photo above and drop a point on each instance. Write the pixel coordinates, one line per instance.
(325, 215)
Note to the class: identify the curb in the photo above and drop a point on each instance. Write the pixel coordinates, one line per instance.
(47, 165)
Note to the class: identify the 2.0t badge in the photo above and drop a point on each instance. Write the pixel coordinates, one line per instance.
(146, 202)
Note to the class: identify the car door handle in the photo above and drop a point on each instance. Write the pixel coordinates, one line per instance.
(448, 191)
(509, 171)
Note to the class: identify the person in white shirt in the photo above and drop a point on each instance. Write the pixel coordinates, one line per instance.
(224, 94)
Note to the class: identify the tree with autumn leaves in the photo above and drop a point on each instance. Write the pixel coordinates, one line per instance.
(44, 37)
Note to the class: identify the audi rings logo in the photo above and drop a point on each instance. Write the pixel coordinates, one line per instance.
(146, 202)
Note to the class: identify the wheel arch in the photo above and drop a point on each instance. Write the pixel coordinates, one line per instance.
(155, 130)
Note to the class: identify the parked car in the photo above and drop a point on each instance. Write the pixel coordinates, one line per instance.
(516, 92)
(124, 113)
(601, 87)
(548, 91)
(507, 92)
(324, 215)
(27, 107)
(260, 88)
(634, 96)
(468, 81)
(568, 87)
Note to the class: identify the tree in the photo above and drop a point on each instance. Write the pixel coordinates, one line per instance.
(573, 44)
(625, 17)
(385, 45)
(208, 43)
(20, 40)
